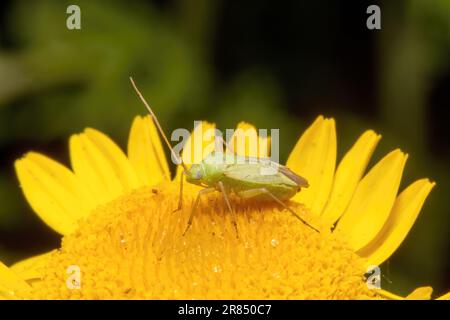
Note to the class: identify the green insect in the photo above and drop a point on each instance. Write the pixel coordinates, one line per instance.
(246, 177)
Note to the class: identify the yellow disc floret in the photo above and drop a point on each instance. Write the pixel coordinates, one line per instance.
(133, 247)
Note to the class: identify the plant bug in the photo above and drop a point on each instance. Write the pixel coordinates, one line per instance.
(235, 174)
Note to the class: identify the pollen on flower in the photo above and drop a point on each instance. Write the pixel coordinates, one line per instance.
(133, 247)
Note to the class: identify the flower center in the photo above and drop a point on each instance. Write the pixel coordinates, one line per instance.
(133, 247)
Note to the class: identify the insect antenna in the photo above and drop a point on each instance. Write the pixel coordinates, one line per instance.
(155, 120)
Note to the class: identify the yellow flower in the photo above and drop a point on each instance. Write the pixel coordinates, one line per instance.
(122, 238)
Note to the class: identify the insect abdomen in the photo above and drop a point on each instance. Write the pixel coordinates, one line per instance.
(281, 191)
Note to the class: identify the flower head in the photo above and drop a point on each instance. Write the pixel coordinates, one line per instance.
(120, 231)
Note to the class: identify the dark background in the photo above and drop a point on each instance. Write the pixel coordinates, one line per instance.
(274, 64)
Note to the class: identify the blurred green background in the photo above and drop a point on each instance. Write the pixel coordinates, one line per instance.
(274, 65)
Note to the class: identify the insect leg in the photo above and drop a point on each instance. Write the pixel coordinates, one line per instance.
(233, 214)
(194, 207)
(180, 199)
(255, 192)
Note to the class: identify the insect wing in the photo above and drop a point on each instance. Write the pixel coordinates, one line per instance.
(300, 181)
(254, 173)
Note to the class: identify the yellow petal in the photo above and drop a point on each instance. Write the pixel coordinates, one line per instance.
(101, 165)
(10, 282)
(53, 191)
(116, 158)
(146, 153)
(29, 269)
(388, 295)
(401, 219)
(192, 153)
(314, 157)
(372, 201)
(348, 174)
(444, 297)
(422, 293)
(264, 146)
(246, 142)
